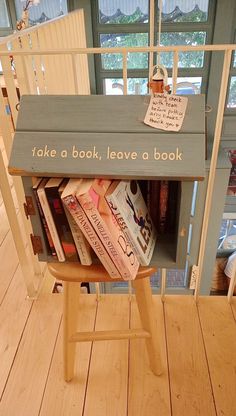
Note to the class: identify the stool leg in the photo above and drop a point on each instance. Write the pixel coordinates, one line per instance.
(144, 299)
(71, 292)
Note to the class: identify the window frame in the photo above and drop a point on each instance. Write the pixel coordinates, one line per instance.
(99, 28)
(232, 73)
(5, 31)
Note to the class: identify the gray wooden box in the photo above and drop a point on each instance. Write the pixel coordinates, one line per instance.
(104, 136)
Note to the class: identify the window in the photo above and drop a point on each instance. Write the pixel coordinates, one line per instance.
(11, 11)
(4, 17)
(231, 103)
(118, 23)
(227, 237)
(44, 11)
(121, 23)
(7, 18)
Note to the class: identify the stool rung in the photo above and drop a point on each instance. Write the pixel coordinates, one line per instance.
(109, 335)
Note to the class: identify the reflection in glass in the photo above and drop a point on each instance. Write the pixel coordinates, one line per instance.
(123, 11)
(232, 177)
(187, 85)
(232, 93)
(114, 60)
(227, 238)
(4, 19)
(137, 11)
(44, 11)
(137, 86)
(186, 59)
(175, 278)
(185, 11)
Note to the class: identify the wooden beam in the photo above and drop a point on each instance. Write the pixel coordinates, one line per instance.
(109, 335)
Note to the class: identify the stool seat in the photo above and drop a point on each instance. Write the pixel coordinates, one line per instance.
(76, 272)
(72, 275)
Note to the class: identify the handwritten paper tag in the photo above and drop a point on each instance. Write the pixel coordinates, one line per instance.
(166, 112)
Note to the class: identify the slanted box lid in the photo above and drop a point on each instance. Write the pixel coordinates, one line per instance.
(105, 136)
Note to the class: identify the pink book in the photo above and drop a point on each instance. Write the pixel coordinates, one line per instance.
(91, 196)
(73, 206)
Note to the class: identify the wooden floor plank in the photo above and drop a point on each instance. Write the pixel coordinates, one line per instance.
(191, 392)
(219, 330)
(233, 306)
(14, 312)
(63, 398)
(26, 383)
(4, 224)
(8, 263)
(155, 394)
(108, 376)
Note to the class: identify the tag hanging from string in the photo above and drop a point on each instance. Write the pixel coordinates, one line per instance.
(166, 111)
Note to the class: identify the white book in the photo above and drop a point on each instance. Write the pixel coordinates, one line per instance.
(50, 222)
(129, 208)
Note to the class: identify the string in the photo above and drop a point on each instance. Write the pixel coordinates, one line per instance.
(159, 30)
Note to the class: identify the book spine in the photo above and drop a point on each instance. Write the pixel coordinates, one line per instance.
(81, 243)
(154, 202)
(164, 191)
(141, 235)
(45, 225)
(48, 216)
(82, 221)
(113, 240)
(61, 223)
(172, 208)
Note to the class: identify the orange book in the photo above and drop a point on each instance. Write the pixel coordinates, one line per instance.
(91, 196)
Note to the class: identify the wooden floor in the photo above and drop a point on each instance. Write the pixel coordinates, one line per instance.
(198, 345)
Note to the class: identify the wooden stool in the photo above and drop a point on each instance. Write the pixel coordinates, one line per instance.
(72, 275)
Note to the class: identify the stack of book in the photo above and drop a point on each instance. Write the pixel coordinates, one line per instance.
(85, 216)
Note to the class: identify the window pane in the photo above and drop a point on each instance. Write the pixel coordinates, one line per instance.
(123, 11)
(234, 61)
(114, 60)
(227, 238)
(185, 11)
(232, 93)
(44, 11)
(4, 19)
(232, 177)
(175, 278)
(186, 59)
(136, 86)
(187, 85)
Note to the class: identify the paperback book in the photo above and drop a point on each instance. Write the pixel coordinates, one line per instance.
(46, 231)
(82, 245)
(60, 219)
(91, 196)
(129, 208)
(50, 222)
(71, 203)
(163, 204)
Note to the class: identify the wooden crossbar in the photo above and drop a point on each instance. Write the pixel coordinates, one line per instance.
(109, 335)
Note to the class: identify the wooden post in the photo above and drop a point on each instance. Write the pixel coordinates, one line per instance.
(147, 314)
(214, 157)
(163, 284)
(70, 314)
